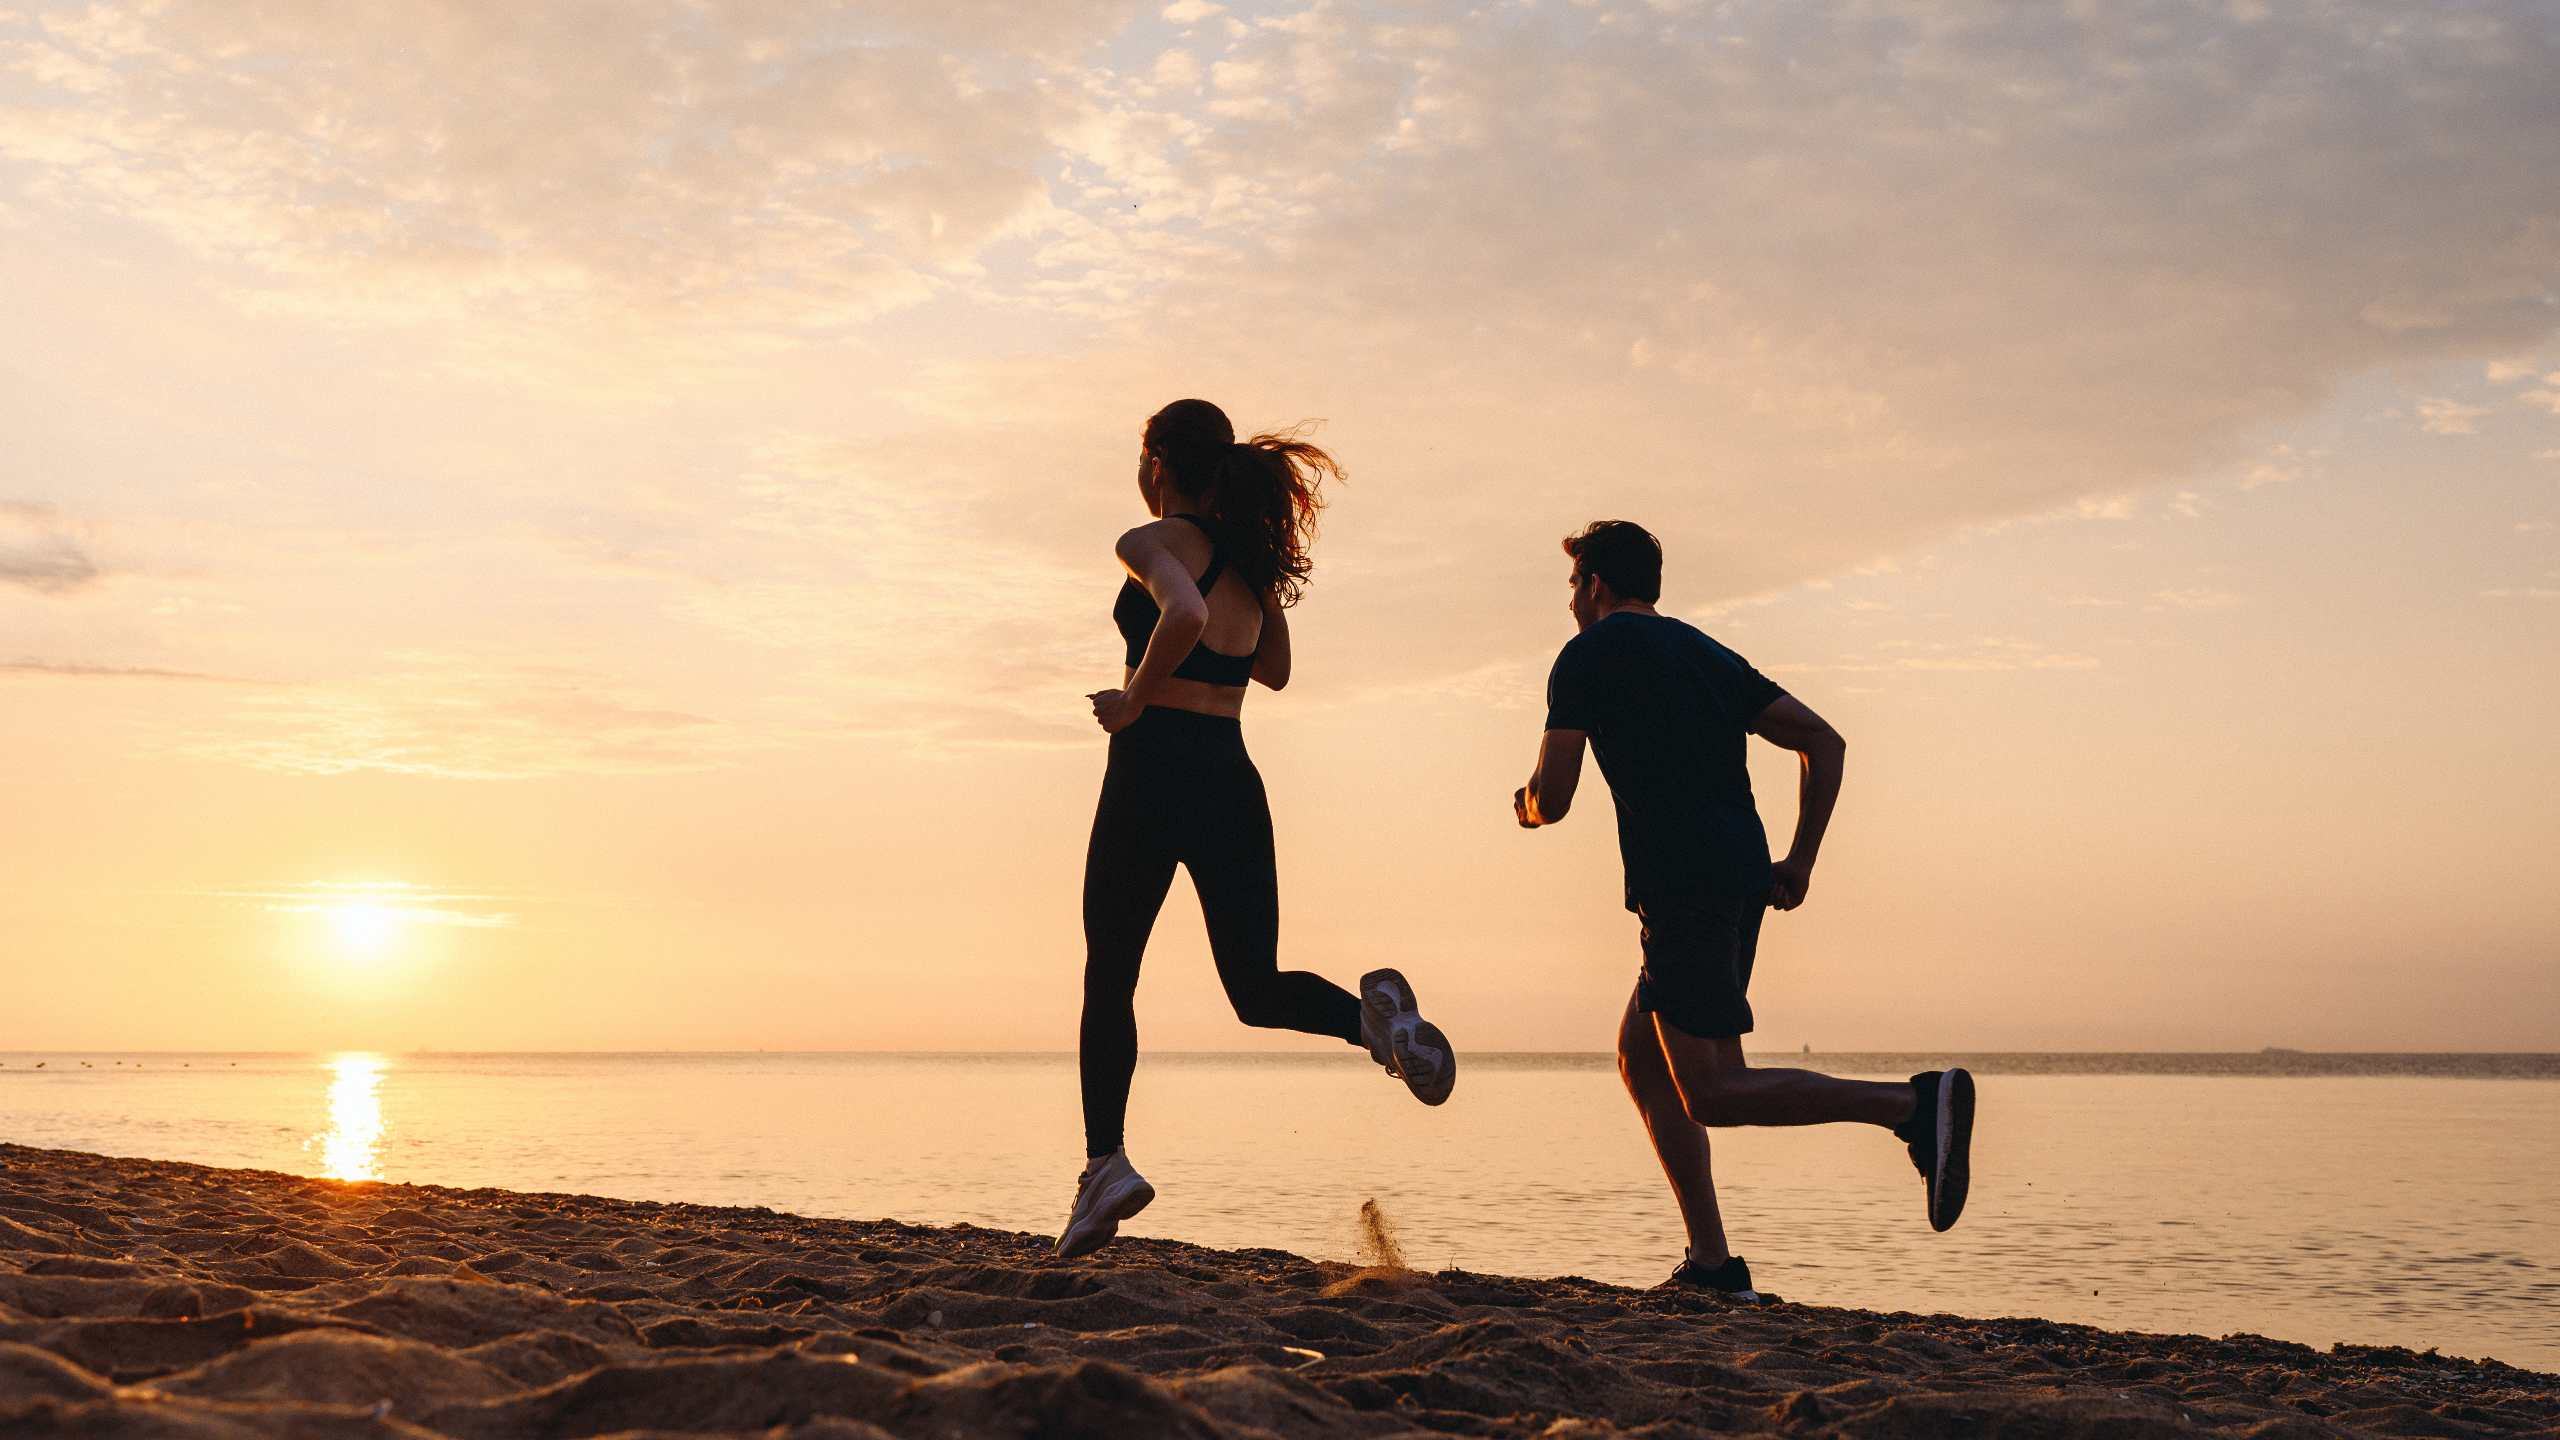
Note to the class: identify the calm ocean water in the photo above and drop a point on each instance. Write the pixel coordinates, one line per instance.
(2406, 1200)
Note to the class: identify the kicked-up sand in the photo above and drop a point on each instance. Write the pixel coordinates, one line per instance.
(154, 1299)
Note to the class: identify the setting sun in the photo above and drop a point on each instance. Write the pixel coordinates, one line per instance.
(362, 928)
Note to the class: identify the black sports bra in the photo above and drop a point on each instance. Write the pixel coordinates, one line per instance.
(1136, 613)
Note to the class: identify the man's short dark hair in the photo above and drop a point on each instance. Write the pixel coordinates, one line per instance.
(1621, 553)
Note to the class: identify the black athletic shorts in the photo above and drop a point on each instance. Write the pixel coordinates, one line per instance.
(1698, 948)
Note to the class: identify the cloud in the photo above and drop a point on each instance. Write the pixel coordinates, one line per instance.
(1932, 267)
(1987, 654)
(844, 553)
(445, 717)
(1177, 68)
(528, 168)
(388, 899)
(37, 552)
(72, 669)
(2282, 466)
(1995, 661)
(1893, 272)
(1954, 239)
(2197, 598)
(2438, 416)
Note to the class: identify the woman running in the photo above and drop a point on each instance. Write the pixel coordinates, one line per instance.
(1204, 612)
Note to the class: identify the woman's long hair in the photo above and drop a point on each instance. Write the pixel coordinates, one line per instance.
(1263, 492)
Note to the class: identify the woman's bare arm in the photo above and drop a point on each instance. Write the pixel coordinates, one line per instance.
(1271, 654)
(1183, 615)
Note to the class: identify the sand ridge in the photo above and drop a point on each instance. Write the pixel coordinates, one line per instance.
(150, 1298)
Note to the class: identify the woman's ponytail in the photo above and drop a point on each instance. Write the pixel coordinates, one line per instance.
(1267, 493)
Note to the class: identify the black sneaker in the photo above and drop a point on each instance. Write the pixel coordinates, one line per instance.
(1730, 1281)
(1939, 1135)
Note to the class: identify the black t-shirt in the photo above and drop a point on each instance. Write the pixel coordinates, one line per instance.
(1668, 710)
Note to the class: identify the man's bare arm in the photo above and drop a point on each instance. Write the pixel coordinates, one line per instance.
(1549, 793)
(1790, 724)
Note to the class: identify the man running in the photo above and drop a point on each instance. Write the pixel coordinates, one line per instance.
(1667, 710)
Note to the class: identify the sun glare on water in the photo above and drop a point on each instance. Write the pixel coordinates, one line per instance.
(351, 1148)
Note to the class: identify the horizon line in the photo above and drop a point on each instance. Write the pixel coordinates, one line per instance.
(2269, 1050)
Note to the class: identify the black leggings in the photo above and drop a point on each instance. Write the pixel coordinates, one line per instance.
(1180, 789)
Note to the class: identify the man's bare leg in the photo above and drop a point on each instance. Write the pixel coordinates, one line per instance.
(1678, 1142)
(1719, 1087)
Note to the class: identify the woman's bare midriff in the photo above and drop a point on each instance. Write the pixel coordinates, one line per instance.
(1193, 695)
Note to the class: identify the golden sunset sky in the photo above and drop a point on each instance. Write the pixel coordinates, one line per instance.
(589, 526)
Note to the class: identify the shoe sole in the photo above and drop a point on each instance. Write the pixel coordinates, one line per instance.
(1955, 1149)
(1732, 1297)
(1423, 1056)
(1109, 1210)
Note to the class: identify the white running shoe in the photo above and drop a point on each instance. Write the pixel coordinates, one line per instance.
(1108, 1192)
(1412, 1048)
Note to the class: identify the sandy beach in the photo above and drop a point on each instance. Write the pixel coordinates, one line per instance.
(148, 1298)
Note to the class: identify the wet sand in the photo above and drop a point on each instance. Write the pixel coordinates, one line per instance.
(149, 1298)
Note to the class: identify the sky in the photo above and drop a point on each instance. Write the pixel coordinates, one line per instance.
(588, 526)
